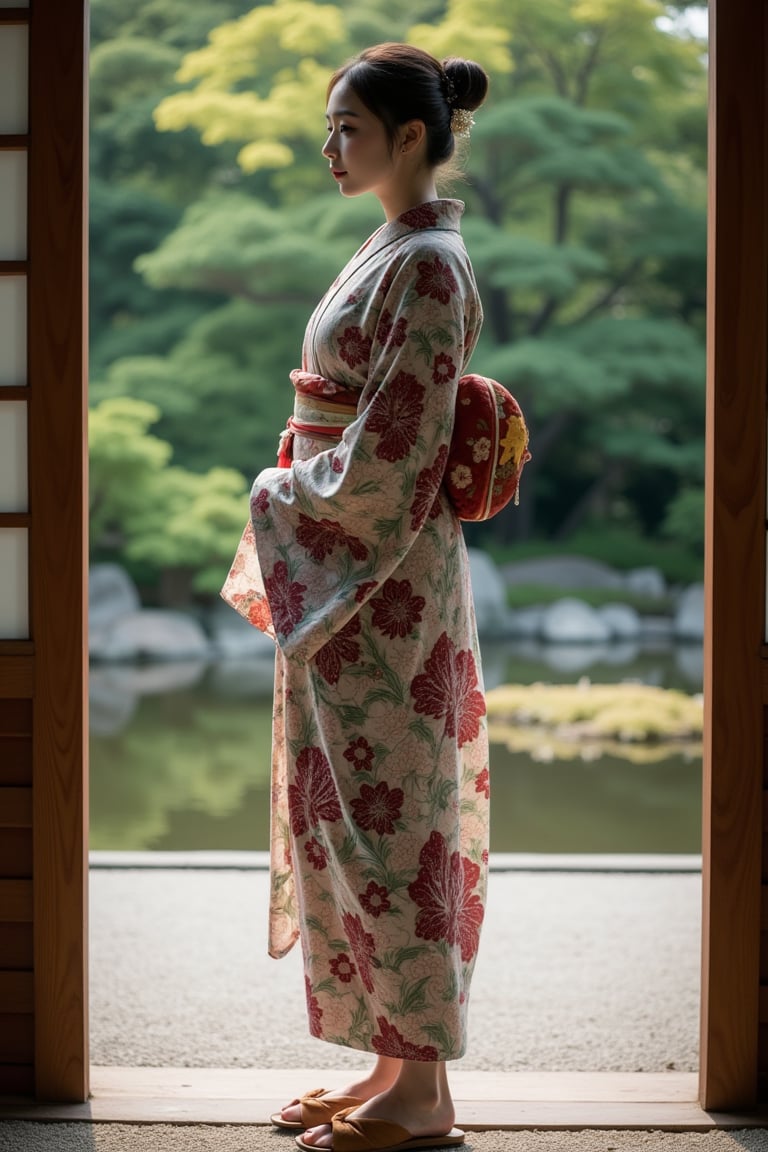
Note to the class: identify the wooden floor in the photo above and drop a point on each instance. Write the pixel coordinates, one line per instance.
(484, 1100)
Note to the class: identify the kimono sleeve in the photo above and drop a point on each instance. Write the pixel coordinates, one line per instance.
(330, 529)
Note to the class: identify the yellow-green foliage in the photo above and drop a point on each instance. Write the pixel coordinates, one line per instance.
(584, 719)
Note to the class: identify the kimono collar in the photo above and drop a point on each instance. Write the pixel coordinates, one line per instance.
(437, 215)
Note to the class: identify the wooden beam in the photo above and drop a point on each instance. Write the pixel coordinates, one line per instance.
(57, 342)
(10, 142)
(16, 675)
(16, 901)
(734, 553)
(15, 807)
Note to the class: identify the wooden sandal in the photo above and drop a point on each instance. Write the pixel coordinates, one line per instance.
(315, 1110)
(367, 1134)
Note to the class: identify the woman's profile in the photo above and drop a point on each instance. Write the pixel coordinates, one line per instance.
(354, 561)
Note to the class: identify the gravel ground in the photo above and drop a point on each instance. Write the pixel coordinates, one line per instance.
(576, 972)
(24, 1137)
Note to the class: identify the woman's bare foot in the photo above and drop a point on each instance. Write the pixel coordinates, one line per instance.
(419, 1101)
(381, 1076)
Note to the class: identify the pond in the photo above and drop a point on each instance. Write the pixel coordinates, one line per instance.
(180, 761)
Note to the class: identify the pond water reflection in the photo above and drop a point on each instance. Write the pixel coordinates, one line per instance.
(180, 760)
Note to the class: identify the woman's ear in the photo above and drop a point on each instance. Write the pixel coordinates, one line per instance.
(414, 135)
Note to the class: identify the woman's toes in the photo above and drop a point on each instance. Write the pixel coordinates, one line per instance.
(319, 1137)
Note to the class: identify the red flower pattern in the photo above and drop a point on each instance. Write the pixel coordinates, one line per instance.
(443, 368)
(363, 589)
(423, 216)
(375, 899)
(377, 807)
(360, 754)
(390, 1042)
(312, 797)
(363, 946)
(316, 854)
(483, 783)
(340, 649)
(436, 280)
(443, 890)
(354, 346)
(286, 598)
(314, 1010)
(395, 413)
(448, 687)
(396, 610)
(428, 481)
(260, 503)
(390, 334)
(320, 537)
(343, 968)
(259, 614)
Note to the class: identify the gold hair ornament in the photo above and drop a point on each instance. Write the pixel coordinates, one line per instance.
(461, 121)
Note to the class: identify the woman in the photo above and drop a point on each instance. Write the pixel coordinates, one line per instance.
(355, 562)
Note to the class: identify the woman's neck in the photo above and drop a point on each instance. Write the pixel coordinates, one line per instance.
(405, 194)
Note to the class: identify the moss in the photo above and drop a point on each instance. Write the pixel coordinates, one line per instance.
(600, 717)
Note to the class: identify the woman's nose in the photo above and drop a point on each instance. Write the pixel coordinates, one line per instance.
(329, 148)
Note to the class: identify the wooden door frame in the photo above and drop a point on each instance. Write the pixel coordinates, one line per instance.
(58, 466)
(52, 666)
(735, 588)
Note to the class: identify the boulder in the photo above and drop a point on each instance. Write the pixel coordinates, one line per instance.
(648, 582)
(562, 572)
(151, 634)
(111, 594)
(571, 621)
(622, 620)
(490, 595)
(689, 616)
(526, 621)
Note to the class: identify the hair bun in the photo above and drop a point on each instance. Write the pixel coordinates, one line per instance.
(468, 80)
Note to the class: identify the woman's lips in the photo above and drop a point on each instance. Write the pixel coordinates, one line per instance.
(337, 173)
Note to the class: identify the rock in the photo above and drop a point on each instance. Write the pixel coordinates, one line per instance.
(111, 594)
(689, 617)
(623, 621)
(562, 572)
(526, 621)
(571, 621)
(233, 638)
(151, 634)
(648, 582)
(490, 595)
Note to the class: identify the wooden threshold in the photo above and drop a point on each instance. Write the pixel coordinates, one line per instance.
(559, 1101)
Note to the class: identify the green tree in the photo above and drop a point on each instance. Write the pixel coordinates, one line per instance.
(167, 523)
(585, 225)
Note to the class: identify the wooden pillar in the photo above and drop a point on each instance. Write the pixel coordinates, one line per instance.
(43, 565)
(735, 554)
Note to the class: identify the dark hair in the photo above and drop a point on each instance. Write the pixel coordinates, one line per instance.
(397, 83)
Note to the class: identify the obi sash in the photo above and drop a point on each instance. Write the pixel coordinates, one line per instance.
(322, 410)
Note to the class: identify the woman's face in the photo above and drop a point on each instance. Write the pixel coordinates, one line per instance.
(357, 146)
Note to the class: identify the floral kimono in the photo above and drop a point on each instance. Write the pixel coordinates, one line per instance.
(354, 561)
